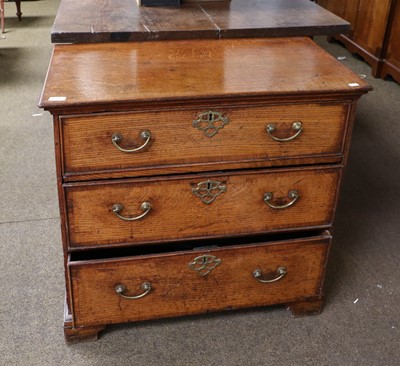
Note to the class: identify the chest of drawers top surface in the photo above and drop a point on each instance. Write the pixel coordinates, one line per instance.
(123, 20)
(139, 74)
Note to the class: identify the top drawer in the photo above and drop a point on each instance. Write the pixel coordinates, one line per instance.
(146, 143)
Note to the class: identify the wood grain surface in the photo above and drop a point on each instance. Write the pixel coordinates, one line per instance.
(375, 32)
(95, 90)
(112, 74)
(123, 20)
(391, 62)
(179, 290)
(345, 9)
(178, 214)
(369, 32)
(176, 141)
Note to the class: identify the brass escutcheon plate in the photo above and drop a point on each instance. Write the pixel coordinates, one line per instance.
(204, 264)
(209, 190)
(210, 122)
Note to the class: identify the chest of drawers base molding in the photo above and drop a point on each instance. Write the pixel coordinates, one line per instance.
(306, 307)
(196, 184)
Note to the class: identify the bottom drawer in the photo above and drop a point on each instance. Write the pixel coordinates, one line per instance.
(196, 280)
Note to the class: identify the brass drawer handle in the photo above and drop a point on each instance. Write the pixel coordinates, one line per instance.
(144, 135)
(145, 207)
(145, 286)
(296, 126)
(293, 195)
(280, 272)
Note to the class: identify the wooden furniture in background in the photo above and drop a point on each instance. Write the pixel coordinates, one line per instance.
(2, 15)
(196, 175)
(169, 2)
(123, 20)
(19, 14)
(375, 32)
(391, 58)
(158, 2)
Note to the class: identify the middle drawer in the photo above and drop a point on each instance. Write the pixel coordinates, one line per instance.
(157, 209)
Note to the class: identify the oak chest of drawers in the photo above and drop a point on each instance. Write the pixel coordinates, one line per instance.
(196, 176)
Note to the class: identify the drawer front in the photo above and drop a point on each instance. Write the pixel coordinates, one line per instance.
(197, 281)
(201, 205)
(225, 135)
